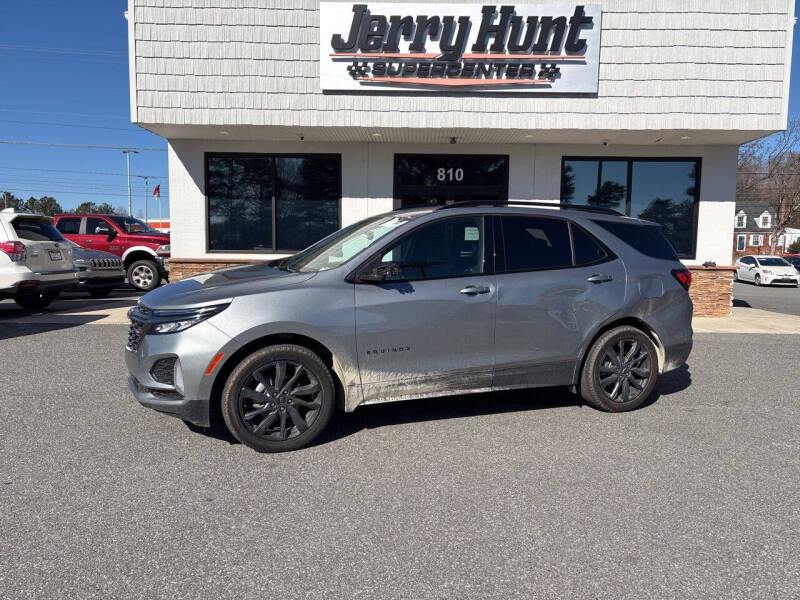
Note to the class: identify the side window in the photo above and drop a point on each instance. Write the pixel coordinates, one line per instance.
(536, 243)
(447, 248)
(69, 226)
(587, 250)
(93, 223)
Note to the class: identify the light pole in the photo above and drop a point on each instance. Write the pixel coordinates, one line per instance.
(146, 191)
(127, 154)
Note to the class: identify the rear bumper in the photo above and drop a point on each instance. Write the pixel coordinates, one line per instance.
(676, 355)
(194, 411)
(33, 285)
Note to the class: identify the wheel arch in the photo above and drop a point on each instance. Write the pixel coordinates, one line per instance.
(134, 253)
(632, 322)
(230, 363)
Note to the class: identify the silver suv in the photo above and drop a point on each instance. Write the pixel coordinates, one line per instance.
(414, 304)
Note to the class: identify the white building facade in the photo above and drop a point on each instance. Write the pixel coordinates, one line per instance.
(287, 119)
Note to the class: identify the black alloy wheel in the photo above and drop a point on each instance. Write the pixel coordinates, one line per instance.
(279, 398)
(625, 370)
(620, 371)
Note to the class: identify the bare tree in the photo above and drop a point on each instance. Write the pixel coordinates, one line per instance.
(769, 172)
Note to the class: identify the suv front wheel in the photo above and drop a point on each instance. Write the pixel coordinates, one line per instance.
(144, 275)
(620, 371)
(279, 398)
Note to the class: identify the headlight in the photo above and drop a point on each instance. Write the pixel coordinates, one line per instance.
(766, 271)
(163, 250)
(173, 321)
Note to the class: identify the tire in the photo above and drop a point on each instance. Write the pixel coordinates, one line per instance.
(100, 292)
(640, 372)
(757, 280)
(278, 423)
(144, 275)
(36, 302)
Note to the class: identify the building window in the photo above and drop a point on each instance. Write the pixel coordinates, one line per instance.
(271, 202)
(741, 220)
(741, 243)
(765, 221)
(436, 179)
(755, 240)
(663, 190)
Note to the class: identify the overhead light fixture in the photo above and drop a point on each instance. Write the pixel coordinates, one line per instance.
(453, 140)
(223, 132)
(529, 135)
(686, 137)
(376, 134)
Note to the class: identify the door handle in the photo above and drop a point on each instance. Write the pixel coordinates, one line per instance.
(599, 278)
(474, 290)
(88, 241)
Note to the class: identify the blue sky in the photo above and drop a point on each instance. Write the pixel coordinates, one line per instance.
(65, 80)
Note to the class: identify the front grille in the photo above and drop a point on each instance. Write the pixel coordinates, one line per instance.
(134, 335)
(163, 371)
(104, 264)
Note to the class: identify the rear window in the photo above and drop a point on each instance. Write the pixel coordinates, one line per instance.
(36, 231)
(647, 239)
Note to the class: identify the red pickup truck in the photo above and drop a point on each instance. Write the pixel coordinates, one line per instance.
(143, 250)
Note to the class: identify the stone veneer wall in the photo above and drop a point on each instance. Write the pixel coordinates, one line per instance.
(711, 291)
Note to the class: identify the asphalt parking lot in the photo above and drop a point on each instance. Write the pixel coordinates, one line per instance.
(781, 299)
(512, 495)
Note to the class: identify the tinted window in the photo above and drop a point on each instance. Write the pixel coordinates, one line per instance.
(647, 239)
(93, 224)
(425, 179)
(36, 231)
(132, 225)
(535, 243)
(69, 226)
(587, 250)
(663, 191)
(249, 197)
(449, 248)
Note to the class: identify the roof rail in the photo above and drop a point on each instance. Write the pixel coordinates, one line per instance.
(594, 209)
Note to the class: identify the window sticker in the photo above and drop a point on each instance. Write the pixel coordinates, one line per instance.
(471, 234)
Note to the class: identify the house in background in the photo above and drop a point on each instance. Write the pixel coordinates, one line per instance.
(752, 230)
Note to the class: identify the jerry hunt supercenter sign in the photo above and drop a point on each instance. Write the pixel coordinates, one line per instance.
(531, 48)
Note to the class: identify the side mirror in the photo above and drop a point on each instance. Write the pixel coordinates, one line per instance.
(380, 273)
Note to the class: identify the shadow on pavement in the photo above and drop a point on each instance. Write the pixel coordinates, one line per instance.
(453, 407)
(741, 303)
(10, 330)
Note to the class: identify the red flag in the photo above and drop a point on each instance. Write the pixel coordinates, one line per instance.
(157, 191)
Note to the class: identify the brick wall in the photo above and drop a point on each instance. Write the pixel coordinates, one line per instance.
(711, 291)
(181, 268)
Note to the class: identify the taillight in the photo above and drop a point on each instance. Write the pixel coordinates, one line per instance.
(14, 250)
(684, 277)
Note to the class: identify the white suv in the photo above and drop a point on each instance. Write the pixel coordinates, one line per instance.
(35, 260)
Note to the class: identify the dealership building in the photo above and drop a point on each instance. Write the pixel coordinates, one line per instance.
(288, 119)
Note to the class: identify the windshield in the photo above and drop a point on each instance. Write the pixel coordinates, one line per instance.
(773, 262)
(132, 225)
(338, 248)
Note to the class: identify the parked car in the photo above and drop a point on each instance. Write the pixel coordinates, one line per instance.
(143, 250)
(794, 259)
(35, 260)
(417, 303)
(98, 272)
(766, 270)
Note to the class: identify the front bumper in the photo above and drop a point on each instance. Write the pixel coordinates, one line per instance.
(781, 279)
(100, 279)
(194, 349)
(194, 411)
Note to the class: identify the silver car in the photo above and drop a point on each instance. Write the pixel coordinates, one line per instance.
(418, 303)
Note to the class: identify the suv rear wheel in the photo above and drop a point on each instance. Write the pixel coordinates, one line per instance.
(620, 371)
(279, 398)
(144, 275)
